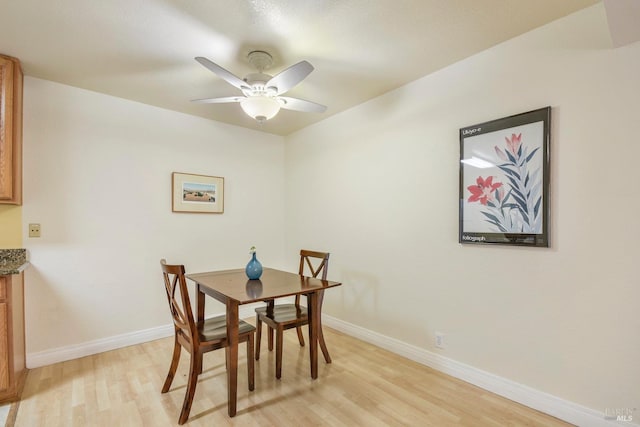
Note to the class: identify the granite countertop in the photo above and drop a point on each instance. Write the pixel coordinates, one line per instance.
(13, 261)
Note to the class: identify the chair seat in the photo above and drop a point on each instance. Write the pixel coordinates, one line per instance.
(284, 313)
(215, 328)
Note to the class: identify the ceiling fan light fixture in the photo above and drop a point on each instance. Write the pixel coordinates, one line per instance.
(260, 108)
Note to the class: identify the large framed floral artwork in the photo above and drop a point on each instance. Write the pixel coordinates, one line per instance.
(504, 180)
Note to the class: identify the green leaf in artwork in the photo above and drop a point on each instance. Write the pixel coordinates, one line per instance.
(532, 153)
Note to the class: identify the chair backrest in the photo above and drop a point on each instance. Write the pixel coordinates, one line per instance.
(321, 260)
(175, 285)
(318, 267)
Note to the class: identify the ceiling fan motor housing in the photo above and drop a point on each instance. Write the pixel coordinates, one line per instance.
(257, 82)
(261, 60)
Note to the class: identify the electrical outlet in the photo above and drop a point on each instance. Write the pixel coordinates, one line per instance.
(34, 230)
(439, 340)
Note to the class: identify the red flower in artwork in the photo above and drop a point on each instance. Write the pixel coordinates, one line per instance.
(513, 143)
(483, 192)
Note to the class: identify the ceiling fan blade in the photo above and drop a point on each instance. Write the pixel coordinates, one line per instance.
(222, 73)
(219, 100)
(297, 104)
(290, 77)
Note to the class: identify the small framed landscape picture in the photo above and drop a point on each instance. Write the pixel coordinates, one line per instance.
(504, 180)
(197, 193)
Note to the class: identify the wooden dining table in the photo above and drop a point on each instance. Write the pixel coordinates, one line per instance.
(233, 288)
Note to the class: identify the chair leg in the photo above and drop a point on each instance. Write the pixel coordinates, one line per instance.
(323, 346)
(174, 365)
(270, 337)
(279, 339)
(300, 337)
(196, 360)
(200, 364)
(258, 336)
(250, 363)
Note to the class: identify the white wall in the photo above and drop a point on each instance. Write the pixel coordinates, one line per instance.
(98, 180)
(377, 186)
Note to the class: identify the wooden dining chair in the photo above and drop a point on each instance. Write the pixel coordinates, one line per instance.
(197, 338)
(280, 317)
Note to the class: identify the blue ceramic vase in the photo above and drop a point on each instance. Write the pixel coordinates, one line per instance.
(254, 268)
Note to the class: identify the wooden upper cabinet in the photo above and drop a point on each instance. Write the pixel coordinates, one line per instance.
(10, 130)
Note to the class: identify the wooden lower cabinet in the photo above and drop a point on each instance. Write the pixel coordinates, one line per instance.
(12, 347)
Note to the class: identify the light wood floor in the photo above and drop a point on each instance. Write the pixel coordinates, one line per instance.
(364, 386)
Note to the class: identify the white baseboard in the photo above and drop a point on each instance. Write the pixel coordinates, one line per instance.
(62, 354)
(532, 398)
(541, 401)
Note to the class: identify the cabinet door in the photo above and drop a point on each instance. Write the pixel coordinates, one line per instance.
(6, 128)
(10, 131)
(4, 347)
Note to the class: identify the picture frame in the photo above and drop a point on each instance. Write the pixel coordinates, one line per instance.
(197, 193)
(504, 180)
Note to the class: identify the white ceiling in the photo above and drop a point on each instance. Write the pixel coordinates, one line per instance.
(144, 50)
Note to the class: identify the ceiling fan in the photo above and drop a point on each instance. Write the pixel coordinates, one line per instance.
(261, 92)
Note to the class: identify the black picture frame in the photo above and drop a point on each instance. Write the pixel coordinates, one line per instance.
(504, 180)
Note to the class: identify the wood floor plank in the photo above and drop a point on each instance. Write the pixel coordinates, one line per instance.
(364, 385)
